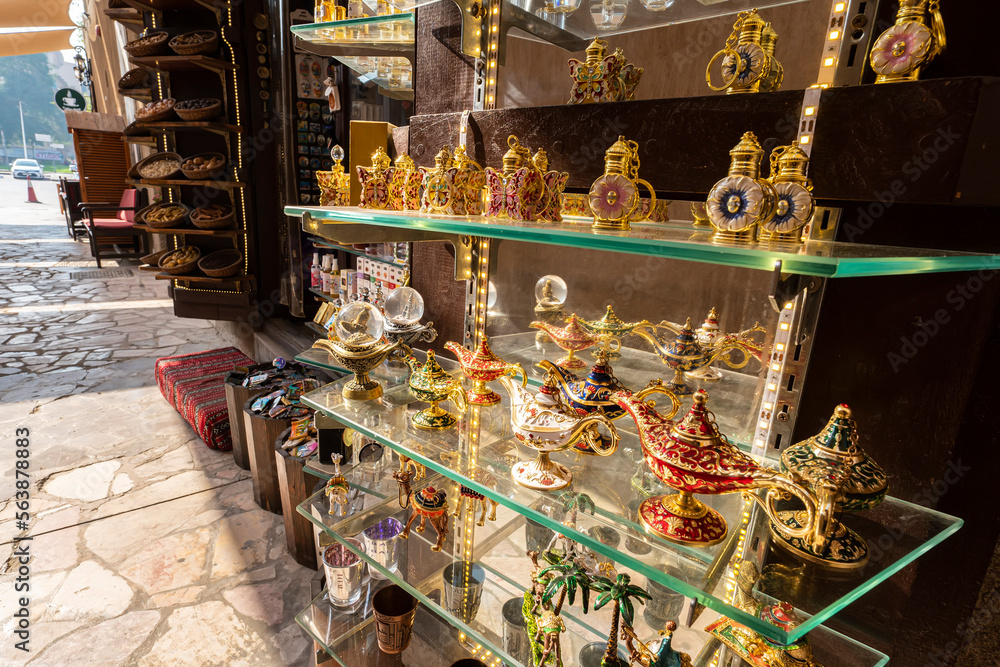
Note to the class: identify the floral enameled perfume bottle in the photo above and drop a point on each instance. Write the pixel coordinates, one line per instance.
(741, 201)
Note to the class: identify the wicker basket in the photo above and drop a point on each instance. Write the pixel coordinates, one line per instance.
(154, 48)
(213, 223)
(228, 269)
(135, 174)
(173, 224)
(153, 259)
(209, 46)
(183, 268)
(204, 113)
(204, 174)
(133, 129)
(162, 114)
(136, 77)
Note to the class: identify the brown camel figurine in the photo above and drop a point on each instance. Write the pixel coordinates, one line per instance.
(429, 504)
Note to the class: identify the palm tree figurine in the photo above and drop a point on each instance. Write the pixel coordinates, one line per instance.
(564, 574)
(620, 593)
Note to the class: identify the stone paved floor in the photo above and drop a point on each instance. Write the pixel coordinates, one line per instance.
(147, 546)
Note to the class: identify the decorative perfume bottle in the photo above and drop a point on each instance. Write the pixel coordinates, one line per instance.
(614, 197)
(793, 207)
(748, 63)
(910, 44)
(602, 77)
(555, 183)
(519, 191)
(742, 200)
(404, 185)
(335, 184)
(471, 180)
(440, 186)
(375, 181)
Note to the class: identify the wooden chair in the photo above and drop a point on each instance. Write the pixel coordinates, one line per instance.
(69, 200)
(115, 231)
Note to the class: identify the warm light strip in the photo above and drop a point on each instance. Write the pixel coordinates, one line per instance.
(239, 140)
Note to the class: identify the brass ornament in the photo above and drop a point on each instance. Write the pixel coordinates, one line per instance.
(741, 201)
(375, 181)
(747, 60)
(614, 196)
(335, 184)
(602, 77)
(910, 44)
(794, 204)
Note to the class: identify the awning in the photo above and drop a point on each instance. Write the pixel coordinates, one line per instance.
(42, 41)
(25, 14)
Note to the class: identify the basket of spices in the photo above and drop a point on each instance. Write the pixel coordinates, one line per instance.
(181, 261)
(197, 43)
(158, 167)
(221, 263)
(205, 166)
(200, 109)
(155, 111)
(151, 261)
(216, 216)
(150, 44)
(137, 77)
(162, 216)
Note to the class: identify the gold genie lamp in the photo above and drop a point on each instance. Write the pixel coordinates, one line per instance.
(614, 196)
(572, 338)
(592, 394)
(692, 456)
(484, 366)
(359, 348)
(375, 181)
(545, 423)
(793, 204)
(335, 184)
(741, 201)
(432, 384)
(840, 474)
(748, 63)
(706, 335)
(684, 352)
(910, 44)
(750, 645)
(611, 327)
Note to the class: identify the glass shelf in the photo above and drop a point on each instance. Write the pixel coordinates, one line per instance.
(734, 399)
(911, 530)
(392, 29)
(393, 74)
(676, 241)
(569, 23)
(329, 245)
(324, 296)
(319, 331)
(500, 549)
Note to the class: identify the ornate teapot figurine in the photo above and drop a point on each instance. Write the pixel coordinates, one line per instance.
(911, 44)
(593, 393)
(751, 645)
(433, 384)
(359, 348)
(706, 335)
(833, 466)
(375, 181)
(546, 424)
(611, 326)
(572, 338)
(692, 456)
(614, 196)
(684, 352)
(484, 366)
(334, 185)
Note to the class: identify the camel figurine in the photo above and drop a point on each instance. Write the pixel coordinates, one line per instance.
(429, 504)
(486, 479)
(338, 489)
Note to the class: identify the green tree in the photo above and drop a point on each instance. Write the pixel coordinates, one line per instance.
(619, 592)
(566, 576)
(29, 79)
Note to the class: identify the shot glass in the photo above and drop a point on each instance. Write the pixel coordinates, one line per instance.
(463, 589)
(394, 611)
(382, 545)
(344, 573)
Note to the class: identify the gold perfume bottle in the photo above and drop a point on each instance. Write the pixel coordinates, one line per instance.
(470, 181)
(614, 197)
(910, 44)
(375, 181)
(335, 184)
(793, 205)
(440, 191)
(742, 200)
(404, 185)
(748, 64)
(603, 78)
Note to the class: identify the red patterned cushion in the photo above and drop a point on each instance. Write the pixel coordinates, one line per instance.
(193, 384)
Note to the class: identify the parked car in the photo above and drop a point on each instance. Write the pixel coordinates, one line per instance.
(23, 168)
(73, 168)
